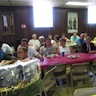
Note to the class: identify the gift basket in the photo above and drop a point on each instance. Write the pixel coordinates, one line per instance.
(20, 78)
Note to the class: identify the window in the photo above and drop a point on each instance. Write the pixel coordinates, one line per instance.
(43, 14)
(91, 14)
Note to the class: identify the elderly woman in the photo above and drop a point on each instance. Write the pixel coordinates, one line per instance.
(42, 40)
(48, 48)
(64, 48)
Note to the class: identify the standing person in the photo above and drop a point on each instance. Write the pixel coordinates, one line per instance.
(34, 42)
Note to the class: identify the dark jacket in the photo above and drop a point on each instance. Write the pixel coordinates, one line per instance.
(84, 47)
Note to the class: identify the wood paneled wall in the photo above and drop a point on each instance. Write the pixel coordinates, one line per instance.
(24, 15)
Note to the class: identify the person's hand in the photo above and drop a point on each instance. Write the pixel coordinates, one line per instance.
(94, 51)
(41, 58)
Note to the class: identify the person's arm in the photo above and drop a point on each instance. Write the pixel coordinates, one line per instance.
(71, 38)
(37, 55)
(40, 51)
(40, 57)
(71, 49)
(58, 51)
(93, 51)
(78, 42)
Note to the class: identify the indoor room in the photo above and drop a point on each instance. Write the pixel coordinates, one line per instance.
(47, 48)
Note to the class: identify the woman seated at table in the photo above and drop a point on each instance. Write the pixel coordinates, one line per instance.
(63, 36)
(64, 48)
(88, 47)
(48, 48)
(56, 41)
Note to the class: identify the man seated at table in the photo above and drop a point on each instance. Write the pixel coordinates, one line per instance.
(32, 53)
(81, 40)
(88, 47)
(74, 37)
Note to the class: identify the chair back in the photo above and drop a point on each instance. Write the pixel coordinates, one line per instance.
(48, 77)
(80, 68)
(60, 69)
(85, 92)
(93, 67)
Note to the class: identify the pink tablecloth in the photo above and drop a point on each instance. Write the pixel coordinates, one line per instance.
(83, 57)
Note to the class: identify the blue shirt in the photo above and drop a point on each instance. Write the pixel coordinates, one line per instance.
(2, 54)
(80, 41)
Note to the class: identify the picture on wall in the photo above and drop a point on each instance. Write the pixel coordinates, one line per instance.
(7, 21)
(72, 22)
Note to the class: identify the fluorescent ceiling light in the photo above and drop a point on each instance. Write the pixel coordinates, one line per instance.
(77, 3)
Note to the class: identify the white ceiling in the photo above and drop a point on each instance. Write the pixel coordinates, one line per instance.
(55, 3)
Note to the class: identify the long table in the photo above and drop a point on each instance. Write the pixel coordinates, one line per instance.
(83, 57)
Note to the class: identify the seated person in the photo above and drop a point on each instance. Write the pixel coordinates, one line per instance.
(2, 54)
(94, 38)
(95, 41)
(51, 37)
(64, 48)
(56, 41)
(42, 40)
(74, 37)
(64, 37)
(48, 48)
(34, 42)
(22, 53)
(6, 48)
(88, 47)
(81, 40)
(32, 53)
(17, 43)
(86, 35)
